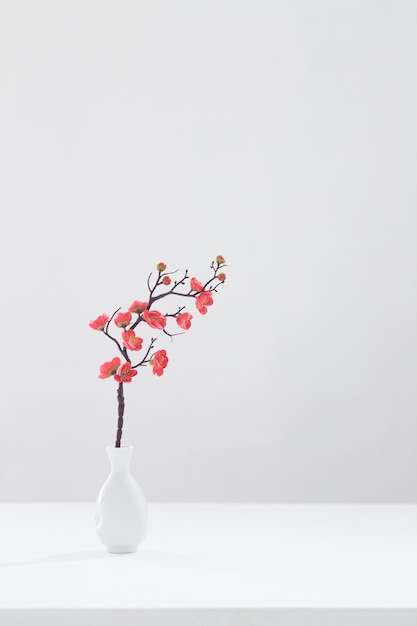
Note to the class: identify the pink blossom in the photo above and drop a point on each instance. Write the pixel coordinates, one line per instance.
(100, 322)
(155, 319)
(125, 373)
(159, 362)
(184, 320)
(196, 285)
(203, 300)
(131, 341)
(138, 307)
(109, 368)
(123, 319)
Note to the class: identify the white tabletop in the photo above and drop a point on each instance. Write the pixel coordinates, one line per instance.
(213, 556)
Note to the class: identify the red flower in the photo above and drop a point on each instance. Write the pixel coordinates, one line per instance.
(159, 362)
(110, 368)
(125, 373)
(123, 319)
(196, 285)
(203, 300)
(222, 277)
(166, 280)
(220, 259)
(131, 341)
(138, 307)
(100, 322)
(161, 267)
(184, 320)
(155, 319)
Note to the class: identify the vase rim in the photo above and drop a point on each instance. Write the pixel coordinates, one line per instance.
(113, 447)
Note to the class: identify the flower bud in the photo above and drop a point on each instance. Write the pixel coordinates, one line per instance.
(161, 267)
(220, 259)
(222, 277)
(166, 280)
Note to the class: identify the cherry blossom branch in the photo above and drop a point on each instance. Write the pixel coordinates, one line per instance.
(124, 372)
(176, 293)
(190, 294)
(170, 334)
(175, 314)
(135, 323)
(215, 269)
(144, 360)
(149, 278)
(151, 290)
(171, 291)
(123, 351)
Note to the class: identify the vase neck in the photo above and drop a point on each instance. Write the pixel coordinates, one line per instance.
(119, 458)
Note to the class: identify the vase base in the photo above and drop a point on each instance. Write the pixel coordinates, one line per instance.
(122, 549)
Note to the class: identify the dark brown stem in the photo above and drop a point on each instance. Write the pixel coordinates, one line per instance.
(106, 332)
(177, 283)
(174, 293)
(139, 319)
(144, 361)
(121, 410)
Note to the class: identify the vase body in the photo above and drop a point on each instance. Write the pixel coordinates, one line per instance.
(121, 511)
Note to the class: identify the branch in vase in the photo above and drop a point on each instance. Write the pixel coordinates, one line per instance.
(120, 412)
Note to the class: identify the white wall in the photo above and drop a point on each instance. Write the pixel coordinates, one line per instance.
(281, 134)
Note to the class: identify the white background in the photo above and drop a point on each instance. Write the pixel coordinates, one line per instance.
(281, 134)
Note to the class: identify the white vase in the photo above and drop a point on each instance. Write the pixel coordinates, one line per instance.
(121, 511)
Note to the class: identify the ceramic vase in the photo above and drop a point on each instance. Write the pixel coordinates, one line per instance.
(121, 511)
